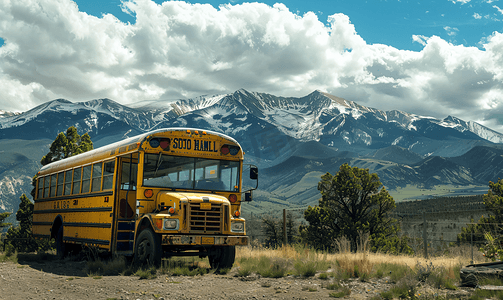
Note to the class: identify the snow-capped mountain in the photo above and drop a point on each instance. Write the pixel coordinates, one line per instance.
(4, 114)
(314, 133)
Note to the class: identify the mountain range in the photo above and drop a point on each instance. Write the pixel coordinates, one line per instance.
(292, 140)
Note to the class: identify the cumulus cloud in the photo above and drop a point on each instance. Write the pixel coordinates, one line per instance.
(181, 50)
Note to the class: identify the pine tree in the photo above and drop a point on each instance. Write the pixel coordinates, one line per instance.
(488, 231)
(66, 145)
(4, 216)
(24, 216)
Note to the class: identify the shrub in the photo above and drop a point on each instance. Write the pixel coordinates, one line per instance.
(395, 271)
(272, 268)
(149, 273)
(306, 268)
(343, 292)
(116, 266)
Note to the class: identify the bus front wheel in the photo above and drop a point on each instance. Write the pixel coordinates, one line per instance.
(148, 248)
(222, 257)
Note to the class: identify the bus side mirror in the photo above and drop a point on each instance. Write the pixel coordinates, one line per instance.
(248, 196)
(253, 173)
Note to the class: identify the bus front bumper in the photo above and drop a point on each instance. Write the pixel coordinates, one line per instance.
(186, 240)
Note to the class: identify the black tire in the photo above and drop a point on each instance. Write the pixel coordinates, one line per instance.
(222, 257)
(60, 245)
(148, 249)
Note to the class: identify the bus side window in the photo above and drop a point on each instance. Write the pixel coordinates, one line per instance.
(77, 174)
(96, 184)
(61, 180)
(40, 193)
(68, 182)
(108, 175)
(86, 179)
(53, 184)
(47, 181)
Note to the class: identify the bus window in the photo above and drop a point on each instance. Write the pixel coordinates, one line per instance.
(86, 179)
(96, 185)
(61, 180)
(128, 176)
(76, 181)
(53, 185)
(68, 182)
(40, 188)
(47, 181)
(229, 176)
(108, 175)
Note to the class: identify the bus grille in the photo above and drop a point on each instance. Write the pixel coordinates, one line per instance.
(205, 221)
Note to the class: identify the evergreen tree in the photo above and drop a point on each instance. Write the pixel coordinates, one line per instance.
(4, 216)
(353, 203)
(488, 229)
(66, 145)
(24, 216)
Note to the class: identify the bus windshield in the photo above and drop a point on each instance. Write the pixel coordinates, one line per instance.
(166, 171)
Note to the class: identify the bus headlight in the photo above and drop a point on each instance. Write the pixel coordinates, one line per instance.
(170, 224)
(237, 227)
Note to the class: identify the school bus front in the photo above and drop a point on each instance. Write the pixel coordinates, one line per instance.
(189, 196)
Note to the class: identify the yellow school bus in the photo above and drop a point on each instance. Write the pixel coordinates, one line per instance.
(168, 192)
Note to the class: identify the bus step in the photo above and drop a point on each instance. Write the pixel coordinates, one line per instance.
(125, 253)
(125, 246)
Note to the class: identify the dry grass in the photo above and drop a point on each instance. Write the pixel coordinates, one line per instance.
(361, 264)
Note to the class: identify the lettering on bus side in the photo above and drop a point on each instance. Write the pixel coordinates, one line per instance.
(199, 145)
(62, 204)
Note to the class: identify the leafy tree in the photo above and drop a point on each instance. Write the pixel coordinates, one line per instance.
(488, 229)
(353, 202)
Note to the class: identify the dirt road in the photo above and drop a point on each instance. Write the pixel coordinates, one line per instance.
(53, 279)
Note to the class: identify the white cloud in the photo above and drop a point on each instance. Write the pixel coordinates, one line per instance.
(499, 9)
(477, 16)
(451, 31)
(460, 1)
(180, 50)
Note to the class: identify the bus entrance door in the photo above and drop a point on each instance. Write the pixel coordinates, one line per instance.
(126, 204)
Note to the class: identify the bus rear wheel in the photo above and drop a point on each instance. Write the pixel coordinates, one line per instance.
(222, 257)
(61, 247)
(148, 249)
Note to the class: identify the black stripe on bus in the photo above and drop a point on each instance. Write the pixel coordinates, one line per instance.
(96, 194)
(75, 224)
(86, 241)
(42, 223)
(97, 225)
(69, 210)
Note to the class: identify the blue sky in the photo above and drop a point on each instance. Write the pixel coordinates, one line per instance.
(430, 58)
(390, 22)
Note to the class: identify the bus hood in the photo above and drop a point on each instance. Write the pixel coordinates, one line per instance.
(173, 198)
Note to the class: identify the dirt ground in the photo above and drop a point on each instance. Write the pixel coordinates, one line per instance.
(55, 279)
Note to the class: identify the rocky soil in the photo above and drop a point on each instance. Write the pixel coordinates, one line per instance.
(53, 279)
